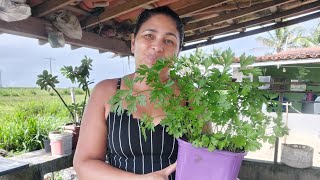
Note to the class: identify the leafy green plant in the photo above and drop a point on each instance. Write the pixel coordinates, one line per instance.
(232, 109)
(302, 73)
(78, 75)
(264, 71)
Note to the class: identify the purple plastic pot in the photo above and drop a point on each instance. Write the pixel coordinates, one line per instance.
(199, 163)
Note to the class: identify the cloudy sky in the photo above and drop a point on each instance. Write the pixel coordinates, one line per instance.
(22, 59)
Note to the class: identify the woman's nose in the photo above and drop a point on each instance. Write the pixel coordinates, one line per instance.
(157, 46)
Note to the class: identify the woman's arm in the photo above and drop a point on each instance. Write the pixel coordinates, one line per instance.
(89, 159)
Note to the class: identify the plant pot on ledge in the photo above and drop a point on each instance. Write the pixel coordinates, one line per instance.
(297, 155)
(61, 143)
(297, 85)
(46, 144)
(75, 130)
(266, 80)
(79, 75)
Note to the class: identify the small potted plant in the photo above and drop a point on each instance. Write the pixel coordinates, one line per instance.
(264, 79)
(46, 143)
(299, 84)
(78, 75)
(231, 110)
(60, 142)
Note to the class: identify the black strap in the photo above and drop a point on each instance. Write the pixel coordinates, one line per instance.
(119, 83)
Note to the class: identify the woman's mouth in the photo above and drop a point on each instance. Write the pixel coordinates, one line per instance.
(152, 58)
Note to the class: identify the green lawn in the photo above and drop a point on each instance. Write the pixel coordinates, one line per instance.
(11, 97)
(27, 115)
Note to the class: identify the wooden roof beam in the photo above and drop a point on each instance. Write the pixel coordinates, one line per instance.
(101, 51)
(256, 31)
(116, 11)
(183, 3)
(35, 28)
(73, 47)
(42, 42)
(189, 10)
(148, 6)
(235, 14)
(75, 10)
(205, 35)
(49, 6)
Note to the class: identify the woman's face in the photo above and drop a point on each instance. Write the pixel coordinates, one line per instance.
(157, 38)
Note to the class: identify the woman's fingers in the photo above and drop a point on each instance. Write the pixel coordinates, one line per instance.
(170, 169)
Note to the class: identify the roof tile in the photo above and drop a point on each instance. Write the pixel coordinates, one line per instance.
(298, 53)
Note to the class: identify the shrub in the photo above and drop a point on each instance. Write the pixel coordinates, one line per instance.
(33, 92)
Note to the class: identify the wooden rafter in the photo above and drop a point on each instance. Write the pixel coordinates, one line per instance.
(49, 6)
(199, 7)
(35, 28)
(100, 51)
(42, 42)
(197, 18)
(75, 10)
(235, 14)
(183, 3)
(307, 7)
(73, 47)
(256, 31)
(116, 11)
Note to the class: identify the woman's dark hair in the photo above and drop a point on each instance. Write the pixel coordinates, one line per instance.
(165, 10)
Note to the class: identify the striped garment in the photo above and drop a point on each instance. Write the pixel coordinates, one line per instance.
(128, 150)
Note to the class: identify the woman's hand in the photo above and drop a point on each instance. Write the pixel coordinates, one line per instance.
(161, 174)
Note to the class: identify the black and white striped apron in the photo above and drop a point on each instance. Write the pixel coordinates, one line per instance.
(128, 150)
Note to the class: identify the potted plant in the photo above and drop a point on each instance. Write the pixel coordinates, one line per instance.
(46, 143)
(231, 110)
(264, 79)
(78, 75)
(61, 142)
(299, 84)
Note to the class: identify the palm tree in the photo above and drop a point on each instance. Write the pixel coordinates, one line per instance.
(313, 39)
(283, 38)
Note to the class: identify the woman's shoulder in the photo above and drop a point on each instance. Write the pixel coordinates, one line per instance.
(107, 86)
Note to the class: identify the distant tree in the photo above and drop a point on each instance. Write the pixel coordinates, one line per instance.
(313, 38)
(283, 38)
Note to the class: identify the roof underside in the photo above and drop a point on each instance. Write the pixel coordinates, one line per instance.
(107, 24)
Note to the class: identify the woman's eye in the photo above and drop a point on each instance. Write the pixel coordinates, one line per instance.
(167, 41)
(148, 36)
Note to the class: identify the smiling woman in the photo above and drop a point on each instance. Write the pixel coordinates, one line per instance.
(158, 38)
(158, 34)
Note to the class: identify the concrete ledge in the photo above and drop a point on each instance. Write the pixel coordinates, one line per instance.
(266, 170)
(41, 163)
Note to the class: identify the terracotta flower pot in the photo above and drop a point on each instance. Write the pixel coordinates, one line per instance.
(75, 130)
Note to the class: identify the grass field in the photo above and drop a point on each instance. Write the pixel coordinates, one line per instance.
(11, 97)
(27, 115)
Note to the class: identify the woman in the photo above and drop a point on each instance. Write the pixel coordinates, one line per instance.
(158, 34)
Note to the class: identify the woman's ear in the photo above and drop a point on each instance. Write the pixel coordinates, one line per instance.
(132, 43)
